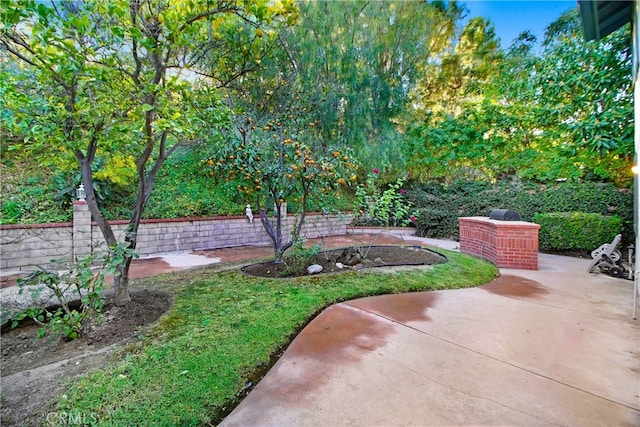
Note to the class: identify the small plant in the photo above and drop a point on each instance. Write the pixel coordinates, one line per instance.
(322, 233)
(80, 282)
(386, 208)
(300, 257)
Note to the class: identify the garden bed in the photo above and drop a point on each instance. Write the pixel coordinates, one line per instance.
(33, 370)
(338, 260)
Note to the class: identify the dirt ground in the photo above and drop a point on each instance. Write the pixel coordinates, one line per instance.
(35, 370)
(352, 258)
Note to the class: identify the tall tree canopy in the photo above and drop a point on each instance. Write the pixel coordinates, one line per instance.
(562, 113)
(355, 62)
(116, 86)
(126, 82)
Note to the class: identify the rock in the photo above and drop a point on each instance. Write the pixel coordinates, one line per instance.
(356, 259)
(378, 261)
(350, 256)
(340, 265)
(314, 269)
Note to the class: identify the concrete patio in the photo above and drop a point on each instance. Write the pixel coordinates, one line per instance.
(556, 346)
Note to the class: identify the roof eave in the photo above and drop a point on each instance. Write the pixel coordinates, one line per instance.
(602, 17)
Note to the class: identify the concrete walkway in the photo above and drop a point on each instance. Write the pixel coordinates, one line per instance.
(555, 346)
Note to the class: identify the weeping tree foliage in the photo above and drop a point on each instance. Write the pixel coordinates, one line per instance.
(122, 83)
(349, 67)
(355, 63)
(564, 112)
(460, 74)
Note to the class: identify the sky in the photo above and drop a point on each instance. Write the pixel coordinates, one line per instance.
(511, 17)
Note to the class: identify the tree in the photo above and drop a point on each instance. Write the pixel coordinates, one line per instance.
(460, 74)
(450, 118)
(123, 79)
(282, 157)
(561, 113)
(355, 63)
(587, 97)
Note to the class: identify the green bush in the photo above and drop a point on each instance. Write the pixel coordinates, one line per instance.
(576, 230)
(440, 205)
(30, 200)
(429, 221)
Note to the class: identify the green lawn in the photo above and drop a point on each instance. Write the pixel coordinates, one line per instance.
(222, 332)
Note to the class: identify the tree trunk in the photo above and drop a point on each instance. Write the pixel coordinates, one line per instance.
(121, 278)
(273, 235)
(121, 283)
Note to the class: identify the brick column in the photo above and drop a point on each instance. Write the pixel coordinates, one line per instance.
(81, 229)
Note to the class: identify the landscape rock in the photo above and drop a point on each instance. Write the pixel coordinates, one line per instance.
(314, 269)
(13, 301)
(351, 256)
(356, 259)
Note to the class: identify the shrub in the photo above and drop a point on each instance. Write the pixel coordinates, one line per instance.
(387, 208)
(475, 198)
(576, 230)
(300, 257)
(29, 199)
(81, 281)
(431, 222)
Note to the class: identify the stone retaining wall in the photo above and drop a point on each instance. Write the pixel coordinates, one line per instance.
(22, 246)
(26, 246)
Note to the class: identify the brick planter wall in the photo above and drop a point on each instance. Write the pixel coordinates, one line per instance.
(507, 244)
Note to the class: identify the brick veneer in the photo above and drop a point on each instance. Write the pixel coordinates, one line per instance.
(507, 244)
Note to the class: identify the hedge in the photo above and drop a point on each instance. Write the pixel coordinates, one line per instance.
(576, 230)
(439, 205)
